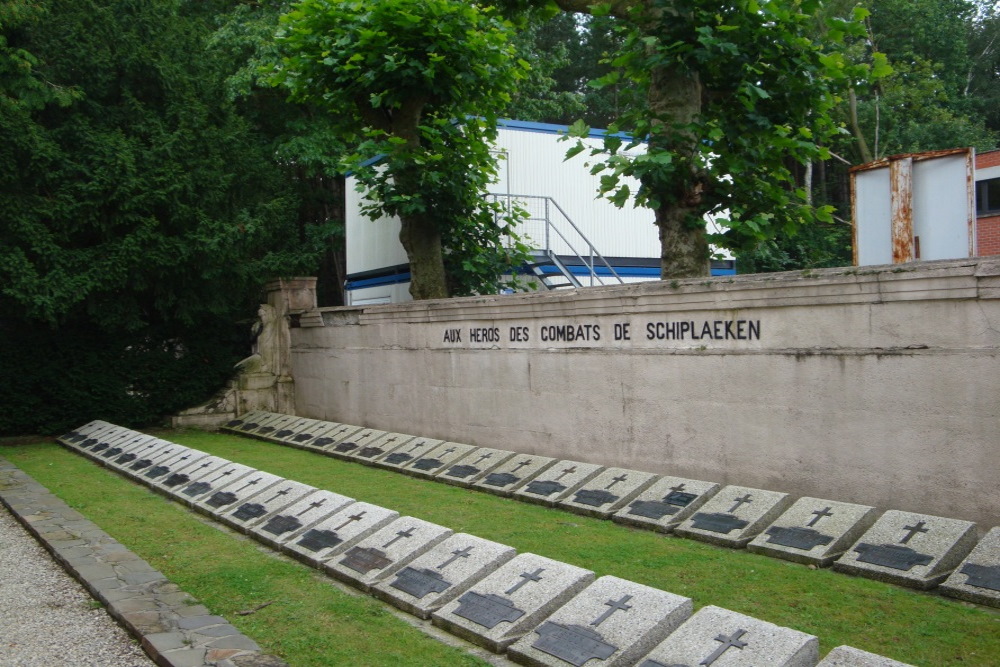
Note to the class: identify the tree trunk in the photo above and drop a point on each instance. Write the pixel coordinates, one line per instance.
(422, 242)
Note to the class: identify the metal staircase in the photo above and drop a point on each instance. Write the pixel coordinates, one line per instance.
(561, 253)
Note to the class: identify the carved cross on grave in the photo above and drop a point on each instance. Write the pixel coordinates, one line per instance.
(526, 462)
(455, 555)
(253, 482)
(184, 458)
(733, 641)
(825, 512)
(483, 458)
(616, 480)
(277, 495)
(351, 519)
(403, 534)
(225, 474)
(392, 439)
(312, 506)
(913, 530)
(678, 488)
(614, 605)
(740, 502)
(449, 450)
(419, 444)
(566, 471)
(525, 578)
(367, 434)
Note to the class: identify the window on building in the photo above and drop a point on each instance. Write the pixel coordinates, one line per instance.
(988, 197)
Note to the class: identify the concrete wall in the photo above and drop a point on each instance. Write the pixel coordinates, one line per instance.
(876, 385)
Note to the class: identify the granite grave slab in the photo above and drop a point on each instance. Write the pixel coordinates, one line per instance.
(233, 425)
(149, 455)
(98, 440)
(814, 531)
(209, 484)
(734, 516)
(429, 464)
(507, 604)
(379, 447)
(175, 482)
(715, 636)
(409, 452)
(385, 551)
(123, 442)
(251, 421)
(290, 429)
(439, 576)
(848, 656)
(329, 440)
(977, 578)
(346, 447)
(557, 482)
(74, 437)
(265, 504)
(222, 500)
(315, 438)
(513, 474)
(667, 502)
(472, 467)
(268, 429)
(164, 469)
(298, 517)
(612, 622)
(337, 532)
(916, 550)
(605, 494)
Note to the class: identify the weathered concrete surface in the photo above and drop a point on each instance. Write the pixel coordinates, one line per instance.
(874, 386)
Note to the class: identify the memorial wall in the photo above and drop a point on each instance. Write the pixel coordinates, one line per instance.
(873, 385)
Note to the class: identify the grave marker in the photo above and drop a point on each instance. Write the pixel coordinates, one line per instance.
(337, 532)
(557, 482)
(715, 636)
(734, 516)
(439, 459)
(814, 531)
(442, 574)
(515, 472)
(208, 484)
(270, 425)
(298, 517)
(233, 425)
(165, 468)
(191, 471)
(403, 456)
(385, 551)
(977, 578)
(612, 622)
(346, 448)
(472, 467)
(916, 550)
(507, 604)
(76, 436)
(379, 447)
(288, 430)
(263, 505)
(317, 437)
(223, 499)
(666, 503)
(847, 656)
(608, 492)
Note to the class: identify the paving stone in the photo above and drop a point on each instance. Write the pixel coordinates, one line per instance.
(298, 517)
(186, 657)
(207, 485)
(916, 550)
(608, 492)
(557, 482)
(439, 576)
(977, 578)
(380, 447)
(847, 656)
(814, 531)
(734, 516)
(264, 504)
(235, 641)
(507, 604)
(223, 499)
(715, 636)
(611, 622)
(472, 467)
(406, 454)
(346, 448)
(666, 503)
(429, 464)
(337, 532)
(385, 551)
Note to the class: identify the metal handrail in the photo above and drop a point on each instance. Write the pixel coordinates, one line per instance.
(550, 226)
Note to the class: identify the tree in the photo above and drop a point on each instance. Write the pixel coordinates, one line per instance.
(418, 83)
(140, 213)
(721, 89)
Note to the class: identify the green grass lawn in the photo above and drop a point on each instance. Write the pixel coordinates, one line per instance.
(313, 624)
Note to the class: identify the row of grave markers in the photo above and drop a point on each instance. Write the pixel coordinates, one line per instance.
(540, 611)
(915, 550)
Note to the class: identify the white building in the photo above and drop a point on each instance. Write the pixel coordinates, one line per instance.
(571, 228)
